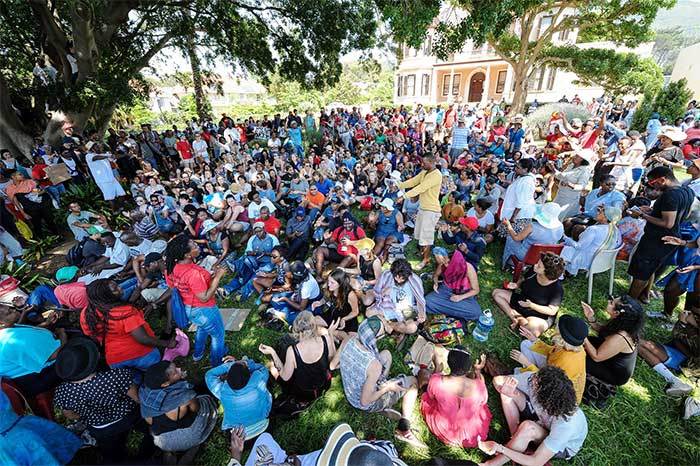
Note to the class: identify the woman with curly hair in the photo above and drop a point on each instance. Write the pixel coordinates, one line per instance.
(341, 302)
(541, 408)
(612, 355)
(534, 301)
(197, 287)
(120, 328)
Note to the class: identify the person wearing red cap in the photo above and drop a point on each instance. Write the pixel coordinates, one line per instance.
(469, 241)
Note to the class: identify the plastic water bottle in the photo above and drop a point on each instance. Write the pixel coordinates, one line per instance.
(483, 326)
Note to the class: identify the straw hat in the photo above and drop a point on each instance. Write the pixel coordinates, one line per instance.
(673, 134)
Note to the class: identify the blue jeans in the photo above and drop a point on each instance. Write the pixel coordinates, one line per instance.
(41, 296)
(139, 365)
(55, 191)
(209, 324)
(128, 286)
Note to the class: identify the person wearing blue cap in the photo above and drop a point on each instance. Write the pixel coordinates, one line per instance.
(297, 232)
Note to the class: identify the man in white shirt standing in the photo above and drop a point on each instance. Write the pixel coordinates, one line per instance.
(101, 169)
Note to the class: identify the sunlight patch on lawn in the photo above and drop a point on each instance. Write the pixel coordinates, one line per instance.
(634, 389)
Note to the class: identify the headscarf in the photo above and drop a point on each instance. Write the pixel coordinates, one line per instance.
(367, 334)
(455, 274)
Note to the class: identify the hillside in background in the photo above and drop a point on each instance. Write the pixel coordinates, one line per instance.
(684, 16)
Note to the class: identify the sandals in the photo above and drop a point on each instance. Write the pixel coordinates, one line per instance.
(410, 438)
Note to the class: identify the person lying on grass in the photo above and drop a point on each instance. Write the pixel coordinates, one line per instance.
(540, 408)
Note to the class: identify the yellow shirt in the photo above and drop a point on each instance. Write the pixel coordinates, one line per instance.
(427, 187)
(573, 363)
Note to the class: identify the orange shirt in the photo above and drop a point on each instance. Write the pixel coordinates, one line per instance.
(317, 199)
(24, 187)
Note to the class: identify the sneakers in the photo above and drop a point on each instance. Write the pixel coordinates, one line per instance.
(391, 414)
(691, 408)
(222, 293)
(410, 438)
(655, 315)
(679, 388)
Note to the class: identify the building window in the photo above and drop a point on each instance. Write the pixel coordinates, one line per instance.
(550, 79)
(425, 85)
(445, 85)
(536, 79)
(564, 34)
(545, 22)
(455, 84)
(399, 89)
(409, 85)
(501, 82)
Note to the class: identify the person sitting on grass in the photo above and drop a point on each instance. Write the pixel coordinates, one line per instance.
(565, 352)
(389, 228)
(465, 235)
(340, 302)
(241, 387)
(265, 280)
(400, 298)
(455, 406)
(305, 291)
(456, 295)
(540, 408)
(180, 419)
(612, 354)
(364, 276)
(305, 372)
(681, 352)
(365, 370)
(534, 301)
(338, 247)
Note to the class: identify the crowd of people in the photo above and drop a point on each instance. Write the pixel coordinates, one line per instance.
(315, 232)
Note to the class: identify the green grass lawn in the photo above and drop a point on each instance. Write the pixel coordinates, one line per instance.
(641, 425)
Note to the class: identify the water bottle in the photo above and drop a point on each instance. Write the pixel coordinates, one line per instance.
(483, 326)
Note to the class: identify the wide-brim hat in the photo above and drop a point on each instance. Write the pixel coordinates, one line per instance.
(342, 444)
(673, 134)
(77, 359)
(573, 330)
(587, 154)
(209, 225)
(387, 203)
(547, 215)
(364, 243)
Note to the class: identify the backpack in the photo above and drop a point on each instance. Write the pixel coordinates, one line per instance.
(444, 330)
(75, 254)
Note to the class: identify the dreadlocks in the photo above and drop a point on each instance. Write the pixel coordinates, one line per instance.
(101, 300)
(175, 251)
(554, 391)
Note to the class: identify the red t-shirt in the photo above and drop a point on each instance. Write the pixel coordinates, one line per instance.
(119, 345)
(353, 235)
(190, 280)
(73, 295)
(39, 174)
(184, 149)
(272, 225)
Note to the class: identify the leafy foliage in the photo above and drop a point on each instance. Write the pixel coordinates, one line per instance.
(617, 73)
(39, 248)
(540, 117)
(670, 102)
(24, 274)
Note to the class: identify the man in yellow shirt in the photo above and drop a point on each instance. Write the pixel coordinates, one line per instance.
(425, 185)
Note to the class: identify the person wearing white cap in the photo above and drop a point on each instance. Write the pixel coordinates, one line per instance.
(389, 228)
(545, 228)
(666, 152)
(573, 178)
(603, 235)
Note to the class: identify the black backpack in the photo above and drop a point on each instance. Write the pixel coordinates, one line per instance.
(75, 254)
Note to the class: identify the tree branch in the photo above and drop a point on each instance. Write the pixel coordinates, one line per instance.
(55, 36)
(114, 18)
(155, 48)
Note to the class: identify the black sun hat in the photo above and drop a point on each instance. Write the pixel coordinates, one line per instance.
(77, 359)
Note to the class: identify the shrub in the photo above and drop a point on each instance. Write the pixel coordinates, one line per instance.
(541, 116)
(670, 102)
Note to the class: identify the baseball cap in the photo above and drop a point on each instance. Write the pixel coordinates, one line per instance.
(470, 222)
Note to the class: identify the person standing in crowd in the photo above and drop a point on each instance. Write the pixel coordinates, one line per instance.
(664, 219)
(100, 166)
(425, 185)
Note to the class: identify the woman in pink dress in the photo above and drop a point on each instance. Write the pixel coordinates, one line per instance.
(454, 406)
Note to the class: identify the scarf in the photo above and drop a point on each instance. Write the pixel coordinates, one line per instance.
(382, 289)
(155, 402)
(455, 274)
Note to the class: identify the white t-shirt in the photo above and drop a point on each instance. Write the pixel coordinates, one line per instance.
(519, 195)
(83, 217)
(101, 170)
(254, 209)
(309, 289)
(485, 221)
(118, 254)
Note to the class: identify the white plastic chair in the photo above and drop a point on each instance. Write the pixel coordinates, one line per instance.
(603, 261)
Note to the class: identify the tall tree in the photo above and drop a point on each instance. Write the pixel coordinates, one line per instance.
(113, 41)
(519, 34)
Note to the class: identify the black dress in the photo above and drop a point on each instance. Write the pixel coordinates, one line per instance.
(550, 295)
(616, 370)
(309, 381)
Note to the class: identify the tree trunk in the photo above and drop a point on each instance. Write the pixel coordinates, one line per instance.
(103, 118)
(14, 136)
(520, 92)
(200, 98)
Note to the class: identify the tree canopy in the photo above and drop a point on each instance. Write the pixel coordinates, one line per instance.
(515, 29)
(113, 41)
